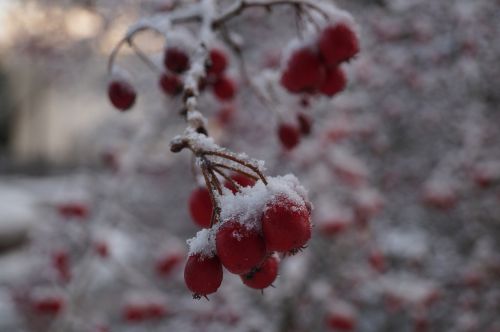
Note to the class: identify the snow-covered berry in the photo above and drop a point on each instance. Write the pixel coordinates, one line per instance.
(239, 248)
(286, 224)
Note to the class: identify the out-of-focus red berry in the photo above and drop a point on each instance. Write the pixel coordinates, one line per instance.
(304, 72)
(176, 60)
(121, 94)
(338, 43)
(224, 88)
(289, 135)
(170, 84)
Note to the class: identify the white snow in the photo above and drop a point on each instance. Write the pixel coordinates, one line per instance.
(247, 207)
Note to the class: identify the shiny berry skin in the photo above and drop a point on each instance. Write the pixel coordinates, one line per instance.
(305, 123)
(286, 224)
(224, 88)
(334, 83)
(239, 248)
(338, 43)
(263, 276)
(176, 60)
(304, 72)
(200, 207)
(289, 135)
(242, 180)
(218, 61)
(203, 275)
(170, 84)
(121, 94)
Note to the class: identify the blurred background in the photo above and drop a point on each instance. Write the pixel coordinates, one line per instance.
(403, 168)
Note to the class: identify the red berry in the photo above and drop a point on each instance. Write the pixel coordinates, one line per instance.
(176, 60)
(203, 275)
(304, 72)
(224, 88)
(200, 207)
(305, 123)
(239, 248)
(121, 94)
(263, 276)
(341, 321)
(155, 310)
(102, 249)
(377, 260)
(73, 210)
(289, 135)
(170, 84)
(51, 305)
(338, 43)
(225, 115)
(219, 62)
(134, 313)
(242, 180)
(166, 264)
(61, 263)
(286, 224)
(334, 83)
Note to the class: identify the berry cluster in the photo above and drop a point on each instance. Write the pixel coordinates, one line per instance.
(258, 222)
(176, 62)
(223, 87)
(316, 68)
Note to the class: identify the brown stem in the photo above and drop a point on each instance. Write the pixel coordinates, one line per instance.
(210, 186)
(114, 53)
(253, 177)
(239, 161)
(227, 178)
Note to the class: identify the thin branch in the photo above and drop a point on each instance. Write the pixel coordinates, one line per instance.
(254, 168)
(242, 5)
(227, 178)
(253, 177)
(144, 58)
